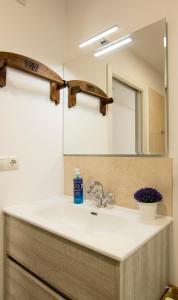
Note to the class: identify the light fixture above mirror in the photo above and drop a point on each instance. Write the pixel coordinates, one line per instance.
(99, 36)
(113, 45)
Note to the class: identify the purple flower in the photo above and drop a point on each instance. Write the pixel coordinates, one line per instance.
(148, 195)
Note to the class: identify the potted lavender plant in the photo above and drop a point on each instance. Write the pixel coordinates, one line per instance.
(148, 199)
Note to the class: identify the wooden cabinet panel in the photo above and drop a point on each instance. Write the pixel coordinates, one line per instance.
(20, 285)
(145, 273)
(78, 272)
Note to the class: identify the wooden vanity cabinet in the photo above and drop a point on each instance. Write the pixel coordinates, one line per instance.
(21, 285)
(78, 273)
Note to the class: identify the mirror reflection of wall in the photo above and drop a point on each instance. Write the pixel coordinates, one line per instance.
(134, 76)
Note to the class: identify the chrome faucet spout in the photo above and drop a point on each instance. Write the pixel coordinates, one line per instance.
(96, 193)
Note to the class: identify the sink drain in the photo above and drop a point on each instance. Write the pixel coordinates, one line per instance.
(94, 213)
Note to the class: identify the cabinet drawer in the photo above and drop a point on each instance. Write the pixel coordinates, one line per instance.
(78, 272)
(20, 285)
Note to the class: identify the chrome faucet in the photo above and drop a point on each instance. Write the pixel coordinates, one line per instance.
(96, 192)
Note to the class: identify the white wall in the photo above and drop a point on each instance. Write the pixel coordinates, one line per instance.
(132, 15)
(31, 125)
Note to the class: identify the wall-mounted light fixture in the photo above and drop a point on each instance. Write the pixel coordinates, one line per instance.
(113, 45)
(99, 36)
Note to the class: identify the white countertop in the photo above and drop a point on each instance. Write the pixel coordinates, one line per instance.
(116, 232)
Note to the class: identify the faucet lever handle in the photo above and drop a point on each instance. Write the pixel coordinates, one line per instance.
(108, 198)
(89, 186)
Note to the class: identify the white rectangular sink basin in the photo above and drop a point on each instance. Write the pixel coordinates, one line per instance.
(83, 218)
(115, 231)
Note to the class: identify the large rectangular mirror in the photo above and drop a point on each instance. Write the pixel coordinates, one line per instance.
(134, 75)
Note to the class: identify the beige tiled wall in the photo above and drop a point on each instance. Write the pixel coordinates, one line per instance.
(122, 176)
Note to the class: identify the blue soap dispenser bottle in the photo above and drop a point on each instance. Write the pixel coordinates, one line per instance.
(78, 187)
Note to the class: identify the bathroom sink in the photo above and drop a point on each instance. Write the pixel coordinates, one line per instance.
(83, 218)
(113, 231)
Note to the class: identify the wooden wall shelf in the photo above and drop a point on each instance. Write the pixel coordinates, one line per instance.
(33, 67)
(78, 86)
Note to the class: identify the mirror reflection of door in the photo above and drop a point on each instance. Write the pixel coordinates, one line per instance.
(156, 121)
(126, 135)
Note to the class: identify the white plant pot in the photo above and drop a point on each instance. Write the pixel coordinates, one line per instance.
(148, 211)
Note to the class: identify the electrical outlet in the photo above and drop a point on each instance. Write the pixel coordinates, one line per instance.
(8, 163)
(12, 163)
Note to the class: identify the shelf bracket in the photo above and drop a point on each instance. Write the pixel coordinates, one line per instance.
(80, 86)
(33, 67)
